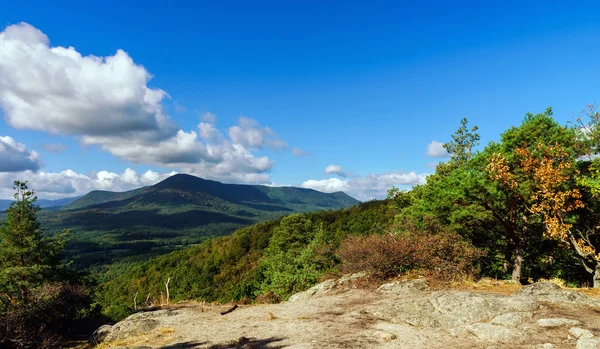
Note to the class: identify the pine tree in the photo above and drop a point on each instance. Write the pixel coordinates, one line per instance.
(27, 258)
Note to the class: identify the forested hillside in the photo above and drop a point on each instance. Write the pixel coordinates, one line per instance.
(278, 257)
(181, 210)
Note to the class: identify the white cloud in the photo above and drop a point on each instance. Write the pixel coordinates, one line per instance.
(436, 149)
(335, 169)
(374, 186)
(57, 90)
(250, 134)
(14, 157)
(209, 118)
(330, 185)
(209, 132)
(106, 102)
(68, 183)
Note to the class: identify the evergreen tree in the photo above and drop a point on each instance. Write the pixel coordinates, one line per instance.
(27, 257)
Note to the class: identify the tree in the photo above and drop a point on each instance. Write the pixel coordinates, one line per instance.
(462, 144)
(27, 258)
(513, 184)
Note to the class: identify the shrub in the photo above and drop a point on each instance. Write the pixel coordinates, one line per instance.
(444, 256)
(41, 322)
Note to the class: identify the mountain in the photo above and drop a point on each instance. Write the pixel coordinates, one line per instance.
(181, 210)
(44, 203)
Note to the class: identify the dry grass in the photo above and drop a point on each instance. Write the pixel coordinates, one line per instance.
(590, 292)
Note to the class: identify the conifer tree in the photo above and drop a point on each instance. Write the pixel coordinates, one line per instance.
(27, 258)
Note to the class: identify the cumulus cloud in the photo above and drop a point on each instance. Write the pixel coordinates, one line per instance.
(250, 134)
(374, 186)
(330, 185)
(336, 170)
(55, 147)
(436, 149)
(57, 90)
(209, 117)
(106, 102)
(68, 183)
(14, 157)
(209, 132)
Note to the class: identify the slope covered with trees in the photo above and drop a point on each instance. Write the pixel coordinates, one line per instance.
(279, 258)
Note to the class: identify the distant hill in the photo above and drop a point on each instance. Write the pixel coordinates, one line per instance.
(44, 203)
(181, 210)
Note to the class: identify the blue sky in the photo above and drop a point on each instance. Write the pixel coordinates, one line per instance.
(284, 89)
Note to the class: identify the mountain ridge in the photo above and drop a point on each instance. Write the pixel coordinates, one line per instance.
(178, 211)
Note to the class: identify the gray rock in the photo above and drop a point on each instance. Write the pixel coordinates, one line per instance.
(577, 332)
(512, 319)
(551, 292)
(321, 288)
(491, 333)
(545, 346)
(347, 278)
(100, 334)
(404, 287)
(151, 314)
(131, 328)
(557, 322)
(588, 343)
(450, 309)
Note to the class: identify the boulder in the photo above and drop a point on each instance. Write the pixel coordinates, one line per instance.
(588, 343)
(557, 322)
(131, 328)
(100, 334)
(405, 287)
(349, 278)
(321, 288)
(578, 333)
(551, 292)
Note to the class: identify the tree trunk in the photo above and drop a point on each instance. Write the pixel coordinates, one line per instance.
(516, 274)
(506, 260)
(24, 295)
(597, 276)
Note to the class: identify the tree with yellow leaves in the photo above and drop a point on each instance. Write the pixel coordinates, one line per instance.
(552, 197)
